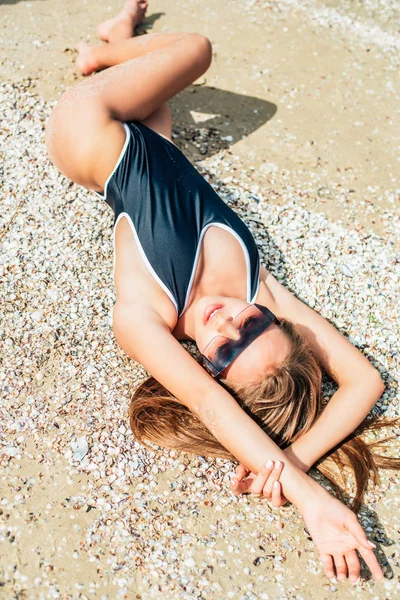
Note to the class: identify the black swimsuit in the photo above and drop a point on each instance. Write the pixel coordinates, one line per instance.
(169, 206)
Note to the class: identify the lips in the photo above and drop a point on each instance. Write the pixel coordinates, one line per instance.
(209, 309)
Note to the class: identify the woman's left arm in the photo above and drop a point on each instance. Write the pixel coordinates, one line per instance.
(340, 417)
(360, 384)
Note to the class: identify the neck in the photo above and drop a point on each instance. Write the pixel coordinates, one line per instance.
(185, 328)
(187, 320)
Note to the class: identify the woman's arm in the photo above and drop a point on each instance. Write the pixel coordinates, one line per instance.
(360, 384)
(143, 335)
(334, 528)
(343, 413)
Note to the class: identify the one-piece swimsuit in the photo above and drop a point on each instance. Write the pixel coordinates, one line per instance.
(169, 206)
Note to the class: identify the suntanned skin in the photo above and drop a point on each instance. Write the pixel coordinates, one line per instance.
(84, 137)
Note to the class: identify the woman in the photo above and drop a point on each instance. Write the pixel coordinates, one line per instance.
(186, 267)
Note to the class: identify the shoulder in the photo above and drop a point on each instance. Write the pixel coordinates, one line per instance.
(265, 295)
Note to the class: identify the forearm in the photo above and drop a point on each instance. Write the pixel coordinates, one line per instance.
(241, 435)
(343, 413)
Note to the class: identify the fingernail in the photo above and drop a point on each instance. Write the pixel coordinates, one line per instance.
(372, 544)
(277, 464)
(268, 464)
(354, 581)
(276, 484)
(233, 481)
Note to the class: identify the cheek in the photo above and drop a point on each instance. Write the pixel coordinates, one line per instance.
(239, 373)
(202, 340)
(230, 373)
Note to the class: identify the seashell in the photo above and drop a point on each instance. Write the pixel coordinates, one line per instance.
(346, 270)
(80, 448)
(10, 450)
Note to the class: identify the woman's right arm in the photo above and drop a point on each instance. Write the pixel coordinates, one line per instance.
(147, 339)
(144, 336)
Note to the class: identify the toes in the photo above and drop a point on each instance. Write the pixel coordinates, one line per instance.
(102, 33)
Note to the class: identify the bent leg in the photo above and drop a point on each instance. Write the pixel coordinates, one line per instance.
(133, 89)
(87, 117)
(97, 58)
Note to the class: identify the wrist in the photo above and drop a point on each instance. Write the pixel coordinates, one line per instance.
(298, 458)
(299, 488)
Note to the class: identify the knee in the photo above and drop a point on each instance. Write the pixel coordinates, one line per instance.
(204, 48)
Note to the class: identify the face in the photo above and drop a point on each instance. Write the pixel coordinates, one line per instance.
(255, 361)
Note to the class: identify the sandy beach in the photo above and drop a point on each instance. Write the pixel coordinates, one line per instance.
(296, 126)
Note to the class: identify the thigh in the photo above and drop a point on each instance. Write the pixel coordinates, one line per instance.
(84, 135)
(160, 121)
(83, 142)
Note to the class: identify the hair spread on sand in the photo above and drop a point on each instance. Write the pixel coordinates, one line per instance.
(284, 404)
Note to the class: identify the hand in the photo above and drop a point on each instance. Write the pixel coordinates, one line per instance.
(337, 535)
(265, 484)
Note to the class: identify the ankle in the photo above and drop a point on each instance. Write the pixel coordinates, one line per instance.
(128, 9)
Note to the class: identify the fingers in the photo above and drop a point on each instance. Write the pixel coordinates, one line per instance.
(273, 477)
(372, 563)
(241, 487)
(265, 484)
(241, 471)
(262, 483)
(359, 533)
(349, 564)
(353, 565)
(277, 499)
(327, 563)
(365, 549)
(340, 566)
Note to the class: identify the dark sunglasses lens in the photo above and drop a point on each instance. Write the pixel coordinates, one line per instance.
(222, 351)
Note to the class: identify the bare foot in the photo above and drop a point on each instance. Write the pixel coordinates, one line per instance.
(86, 62)
(121, 27)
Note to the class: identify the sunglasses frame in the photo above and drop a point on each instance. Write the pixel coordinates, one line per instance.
(208, 365)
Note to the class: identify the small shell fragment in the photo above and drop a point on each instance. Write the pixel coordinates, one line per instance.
(80, 448)
(346, 271)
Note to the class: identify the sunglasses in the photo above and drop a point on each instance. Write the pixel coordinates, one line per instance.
(222, 351)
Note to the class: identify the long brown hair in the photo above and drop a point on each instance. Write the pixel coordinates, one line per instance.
(284, 404)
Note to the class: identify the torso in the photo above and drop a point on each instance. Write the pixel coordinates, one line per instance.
(221, 270)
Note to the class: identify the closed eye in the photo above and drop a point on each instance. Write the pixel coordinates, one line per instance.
(249, 320)
(221, 349)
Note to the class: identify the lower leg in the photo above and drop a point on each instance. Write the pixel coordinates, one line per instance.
(153, 72)
(96, 58)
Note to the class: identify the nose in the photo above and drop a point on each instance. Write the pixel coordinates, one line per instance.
(226, 326)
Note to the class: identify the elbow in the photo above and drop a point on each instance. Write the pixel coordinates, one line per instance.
(377, 382)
